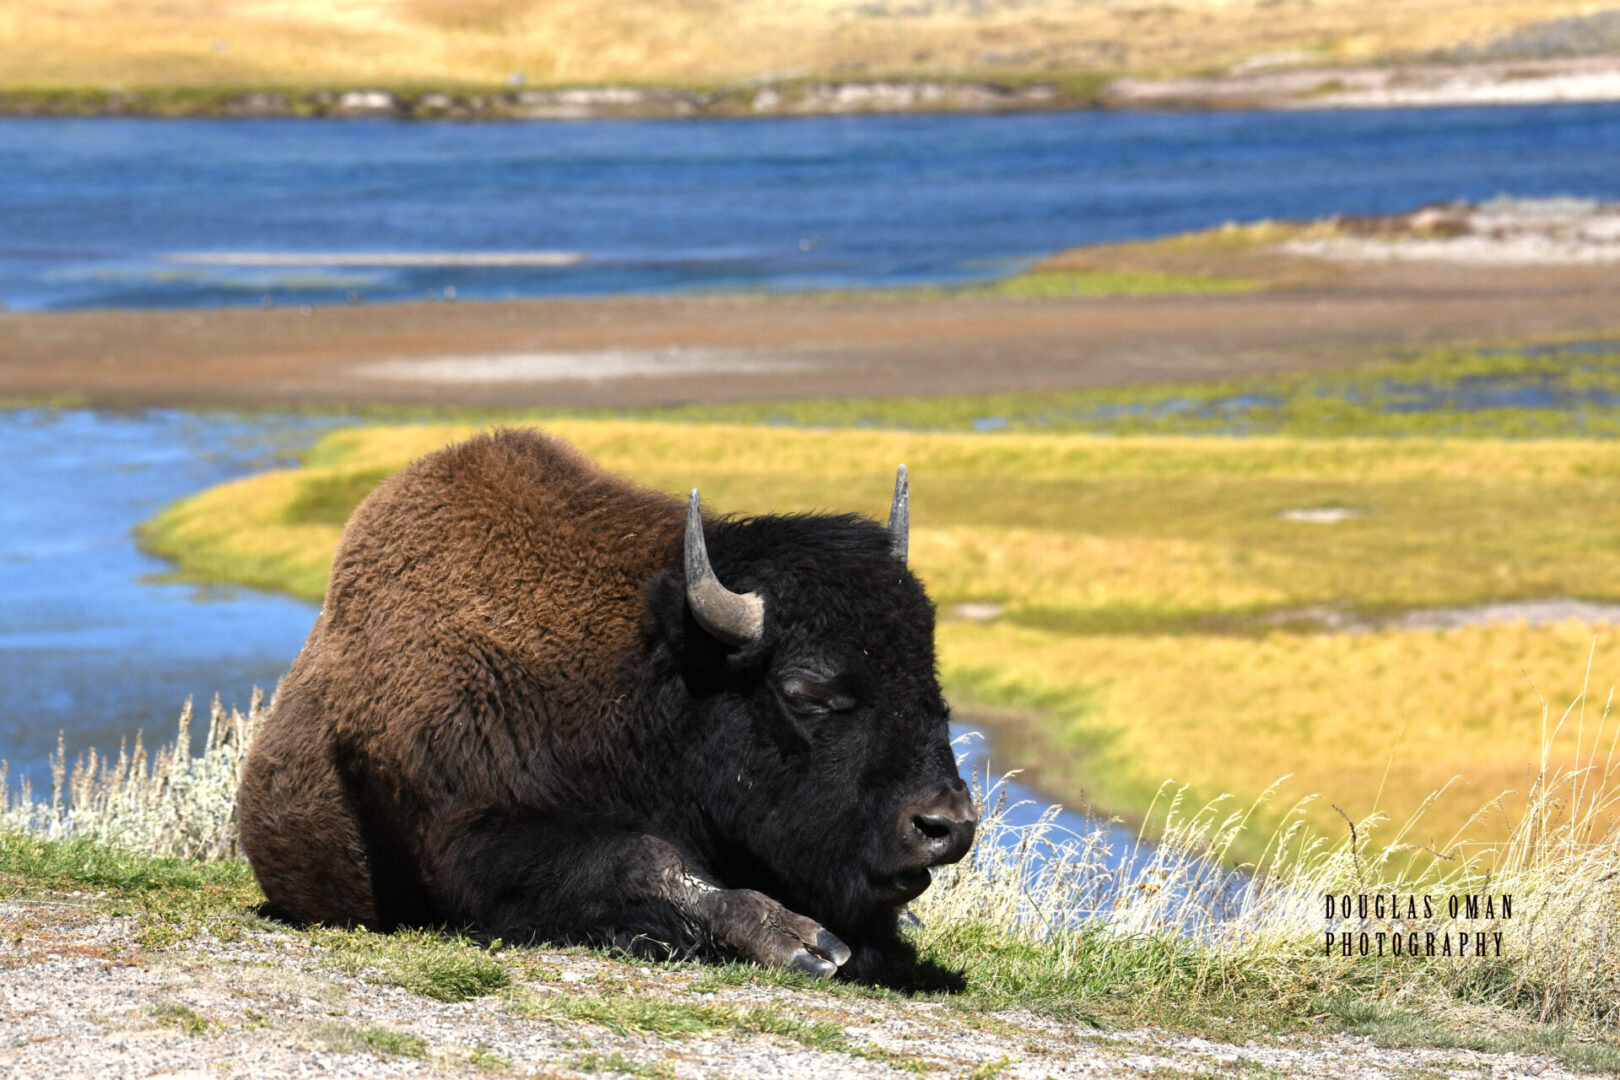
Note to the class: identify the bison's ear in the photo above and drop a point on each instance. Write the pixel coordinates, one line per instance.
(667, 620)
(678, 640)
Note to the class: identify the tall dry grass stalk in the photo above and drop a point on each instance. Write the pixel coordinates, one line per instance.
(1559, 953)
(171, 803)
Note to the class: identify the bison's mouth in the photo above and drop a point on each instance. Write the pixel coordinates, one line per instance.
(901, 888)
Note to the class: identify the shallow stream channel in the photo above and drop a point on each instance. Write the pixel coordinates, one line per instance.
(99, 641)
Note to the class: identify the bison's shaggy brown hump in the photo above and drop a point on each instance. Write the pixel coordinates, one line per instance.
(476, 632)
(513, 538)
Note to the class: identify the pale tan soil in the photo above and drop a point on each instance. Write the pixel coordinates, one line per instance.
(1520, 82)
(1501, 232)
(1323, 315)
(80, 995)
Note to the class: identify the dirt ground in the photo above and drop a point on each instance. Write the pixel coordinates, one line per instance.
(83, 994)
(650, 350)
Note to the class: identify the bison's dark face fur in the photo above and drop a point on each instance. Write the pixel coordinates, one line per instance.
(832, 727)
(535, 707)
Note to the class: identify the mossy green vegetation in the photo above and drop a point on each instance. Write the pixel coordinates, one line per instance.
(1541, 392)
(347, 1038)
(1038, 283)
(31, 866)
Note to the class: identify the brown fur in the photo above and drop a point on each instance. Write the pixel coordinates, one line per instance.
(548, 556)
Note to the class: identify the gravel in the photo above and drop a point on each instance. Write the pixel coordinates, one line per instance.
(81, 995)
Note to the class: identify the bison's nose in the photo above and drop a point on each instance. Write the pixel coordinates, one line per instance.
(942, 825)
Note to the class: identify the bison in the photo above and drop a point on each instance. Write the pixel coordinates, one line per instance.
(529, 707)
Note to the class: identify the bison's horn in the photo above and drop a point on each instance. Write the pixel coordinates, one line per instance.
(734, 618)
(900, 517)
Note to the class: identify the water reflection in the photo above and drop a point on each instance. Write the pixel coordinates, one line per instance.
(1058, 867)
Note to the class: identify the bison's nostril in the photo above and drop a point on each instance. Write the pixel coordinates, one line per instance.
(934, 827)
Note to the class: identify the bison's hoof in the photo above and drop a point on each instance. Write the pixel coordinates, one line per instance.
(830, 955)
(813, 966)
(828, 945)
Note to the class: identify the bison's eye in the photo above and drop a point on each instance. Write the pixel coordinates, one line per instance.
(813, 696)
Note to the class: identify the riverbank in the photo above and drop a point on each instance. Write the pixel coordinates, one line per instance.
(1528, 82)
(1102, 325)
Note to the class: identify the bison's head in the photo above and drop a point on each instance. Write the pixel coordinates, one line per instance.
(818, 754)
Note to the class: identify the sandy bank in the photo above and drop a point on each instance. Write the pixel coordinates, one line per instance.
(651, 350)
(1500, 232)
(1523, 82)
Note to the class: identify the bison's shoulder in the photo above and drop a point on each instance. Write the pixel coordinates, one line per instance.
(513, 538)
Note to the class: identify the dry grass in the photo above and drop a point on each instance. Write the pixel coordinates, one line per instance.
(171, 804)
(298, 43)
(1558, 860)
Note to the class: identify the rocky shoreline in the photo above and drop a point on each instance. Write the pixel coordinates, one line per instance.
(569, 103)
(1579, 79)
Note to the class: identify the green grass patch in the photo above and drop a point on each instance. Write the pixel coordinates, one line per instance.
(1451, 393)
(329, 498)
(616, 1063)
(1389, 1025)
(351, 1039)
(1042, 284)
(183, 1017)
(676, 1019)
(435, 965)
(30, 866)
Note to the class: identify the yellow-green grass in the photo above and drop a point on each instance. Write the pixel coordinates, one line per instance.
(1040, 283)
(139, 44)
(1367, 722)
(1545, 390)
(1149, 593)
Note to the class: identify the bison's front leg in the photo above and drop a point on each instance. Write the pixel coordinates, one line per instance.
(749, 925)
(538, 877)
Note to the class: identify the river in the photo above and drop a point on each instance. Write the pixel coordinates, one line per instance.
(141, 213)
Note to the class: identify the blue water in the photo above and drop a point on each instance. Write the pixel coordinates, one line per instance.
(93, 642)
(90, 209)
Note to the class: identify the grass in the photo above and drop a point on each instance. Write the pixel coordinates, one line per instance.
(347, 1038)
(1149, 598)
(677, 1019)
(1539, 393)
(177, 1015)
(188, 46)
(137, 882)
(444, 967)
(1040, 283)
